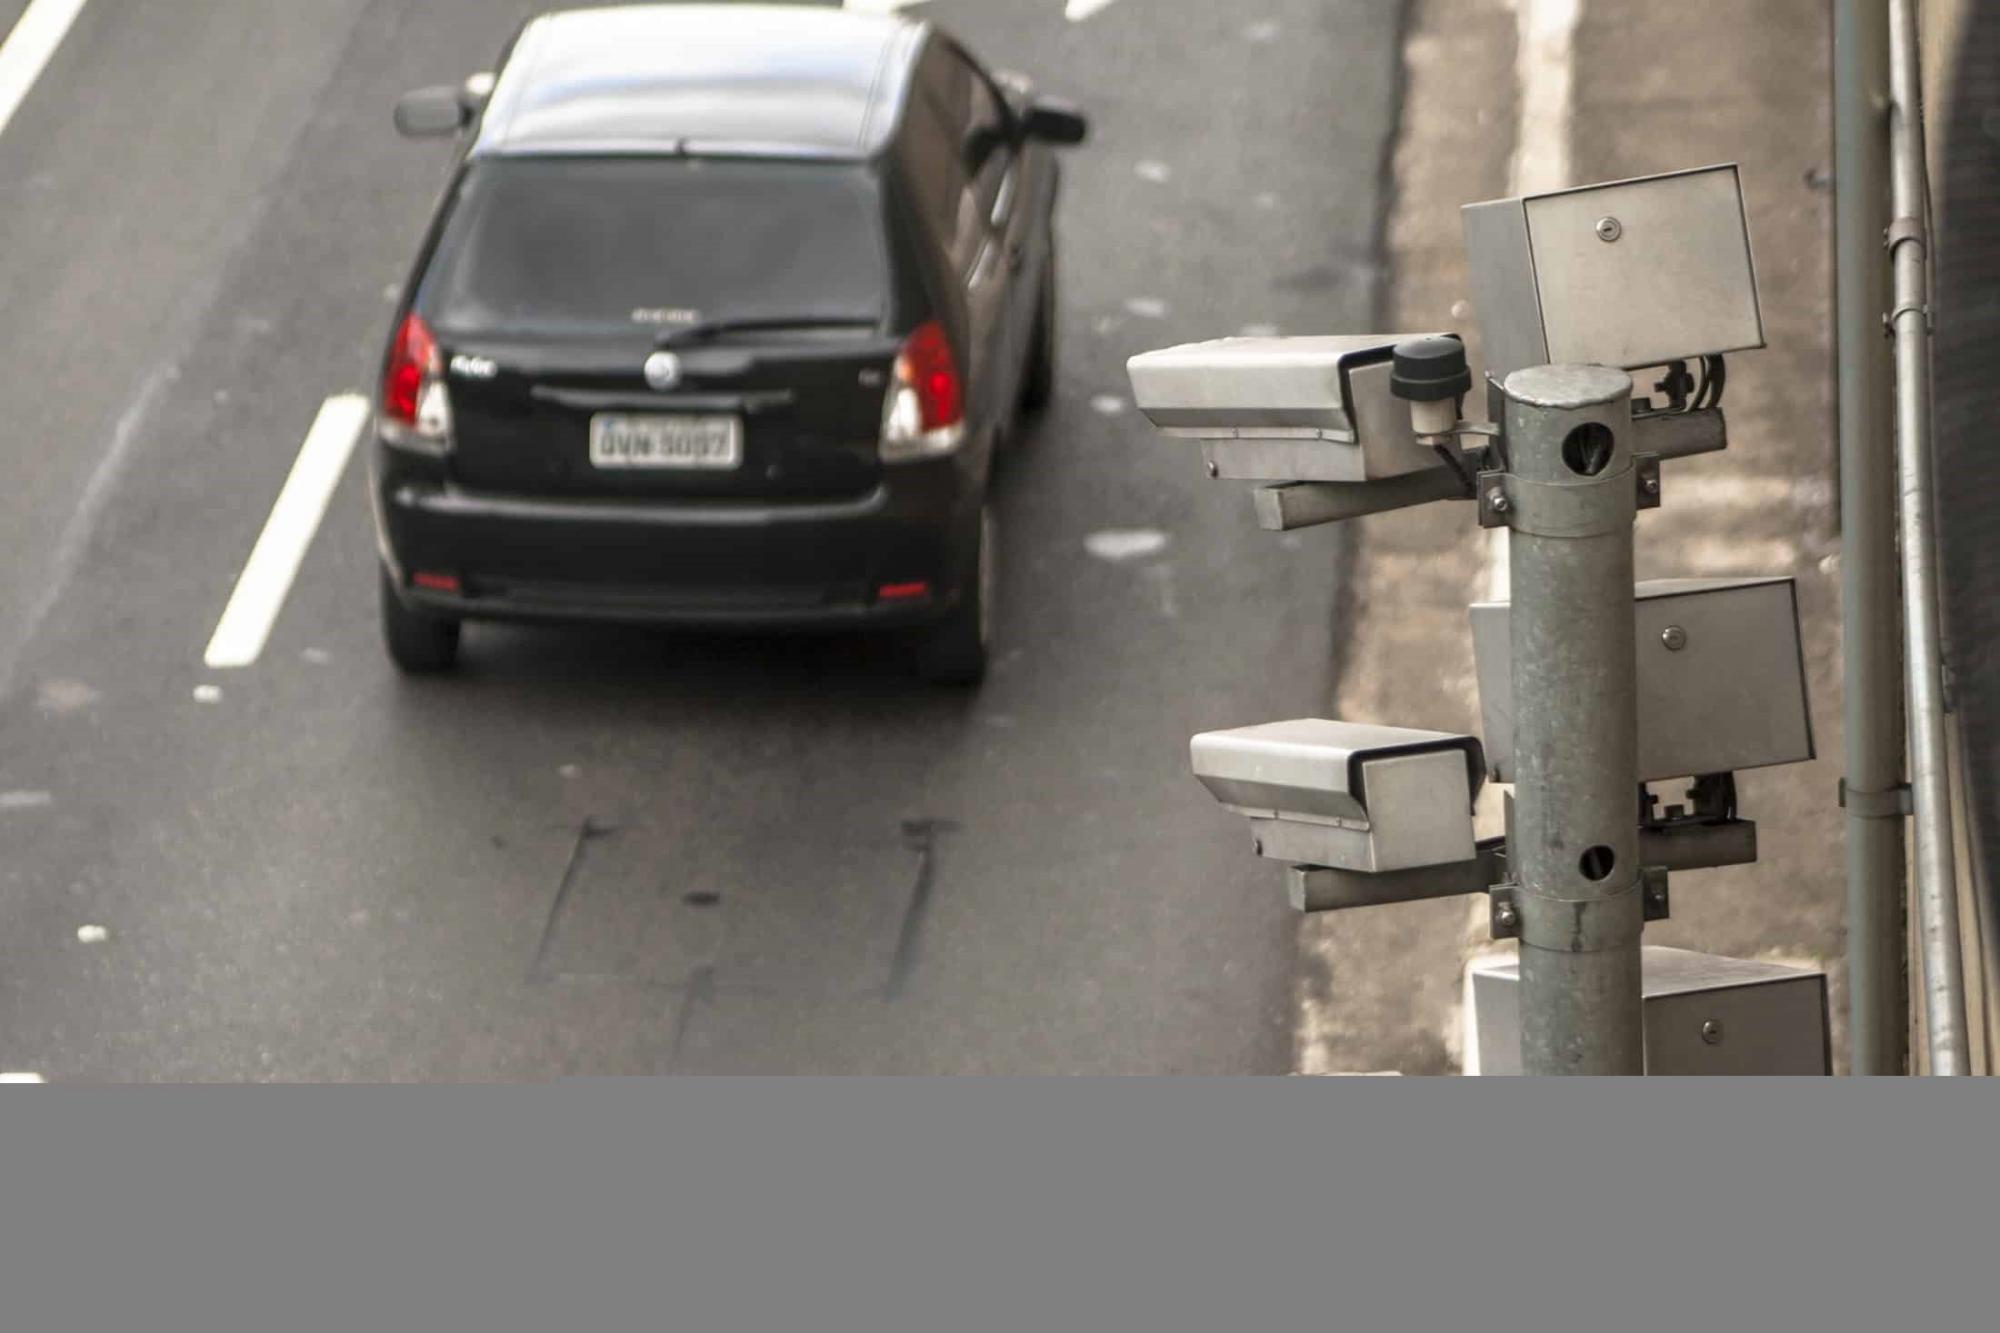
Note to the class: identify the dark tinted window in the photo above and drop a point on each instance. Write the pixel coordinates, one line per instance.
(547, 244)
(975, 156)
(987, 153)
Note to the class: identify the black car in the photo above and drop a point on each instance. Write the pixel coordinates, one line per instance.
(719, 322)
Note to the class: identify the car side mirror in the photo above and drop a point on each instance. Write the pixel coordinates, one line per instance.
(430, 113)
(1053, 121)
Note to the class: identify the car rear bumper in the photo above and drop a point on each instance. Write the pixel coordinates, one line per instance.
(806, 564)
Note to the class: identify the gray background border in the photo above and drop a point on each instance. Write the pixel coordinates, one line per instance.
(1008, 1204)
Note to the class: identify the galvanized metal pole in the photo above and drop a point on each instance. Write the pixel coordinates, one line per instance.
(1871, 656)
(1569, 496)
(1936, 873)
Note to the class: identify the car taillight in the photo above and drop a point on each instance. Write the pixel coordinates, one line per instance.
(924, 414)
(416, 407)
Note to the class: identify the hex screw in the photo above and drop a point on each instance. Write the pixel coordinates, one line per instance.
(1506, 915)
(1674, 637)
(1496, 500)
(1213, 472)
(1711, 1032)
(1651, 485)
(1656, 895)
(1609, 229)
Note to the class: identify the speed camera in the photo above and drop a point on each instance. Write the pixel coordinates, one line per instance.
(1348, 795)
(1287, 409)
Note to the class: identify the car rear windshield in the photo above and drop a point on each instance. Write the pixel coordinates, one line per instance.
(592, 244)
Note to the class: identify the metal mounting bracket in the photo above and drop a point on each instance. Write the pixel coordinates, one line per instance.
(1893, 803)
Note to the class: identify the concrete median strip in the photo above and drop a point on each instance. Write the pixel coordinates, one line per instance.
(274, 562)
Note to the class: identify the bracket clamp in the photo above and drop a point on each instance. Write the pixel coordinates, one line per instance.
(1504, 902)
(1603, 504)
(1892, 803)
(1903, 230)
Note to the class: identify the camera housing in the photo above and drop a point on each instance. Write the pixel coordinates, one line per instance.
(1629, 273)
(1347, 795)
(1721, 678)
(1286, 409)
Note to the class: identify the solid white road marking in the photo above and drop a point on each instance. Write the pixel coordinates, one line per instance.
(1147, 307)
(22, 1076)
(1107, 404)
(274, 562)
(1117, 544)
(1076, 11)
(24, 800)
(27, 50)
(92, 934)
(1159, 173)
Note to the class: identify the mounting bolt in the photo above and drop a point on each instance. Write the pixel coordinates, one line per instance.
(1213, 472)
(1651, 485)
(1609, 229)
(1506, 915)
(1496, 500)
(1711, 1032)
(1674, 637)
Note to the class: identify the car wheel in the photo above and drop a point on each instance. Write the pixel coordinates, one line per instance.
(954, 651)
(418, 643)
(1038, 381)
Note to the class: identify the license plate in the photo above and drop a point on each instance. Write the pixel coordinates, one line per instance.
(710, 443)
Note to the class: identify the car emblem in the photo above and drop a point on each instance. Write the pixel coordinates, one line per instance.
(663, 370)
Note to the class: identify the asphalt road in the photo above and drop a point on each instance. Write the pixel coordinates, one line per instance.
(613, 852)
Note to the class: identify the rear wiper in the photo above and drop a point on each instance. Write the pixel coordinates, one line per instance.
(709, 328)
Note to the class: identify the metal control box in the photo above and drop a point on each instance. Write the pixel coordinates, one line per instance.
(1347, 794)
(1704, 1015)
(1284, 409)
(1721, 681)
(1630, 273)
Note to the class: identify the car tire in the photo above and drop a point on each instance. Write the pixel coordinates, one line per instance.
(1038, 380)
(954, 651)
(420, 644)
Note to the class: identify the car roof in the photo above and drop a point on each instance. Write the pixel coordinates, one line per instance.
(781, 80)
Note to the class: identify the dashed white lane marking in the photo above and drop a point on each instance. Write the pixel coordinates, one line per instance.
(64, 696)
(1159, 173)
(1107, 404)
(1147, 307)
(208, 694)
(92, 934)
(26, 52)
(1118, 544)
(1262, 31)
(274, 562)
(21, 1076)
(1076, 11)
(25, 800)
